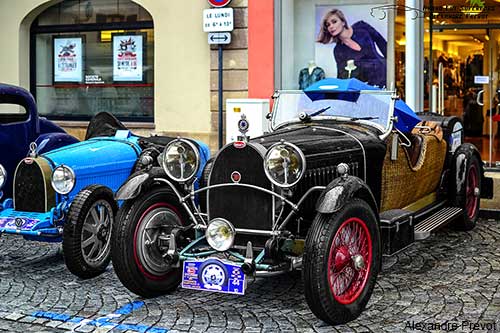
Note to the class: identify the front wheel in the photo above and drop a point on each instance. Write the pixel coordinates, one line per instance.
(87, 232)
(341, 262)
(141, 237)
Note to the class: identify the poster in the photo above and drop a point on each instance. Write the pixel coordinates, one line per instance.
(68, 59)
(127, 57)
(351, 43)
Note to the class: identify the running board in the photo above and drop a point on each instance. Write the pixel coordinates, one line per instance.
(440, 218)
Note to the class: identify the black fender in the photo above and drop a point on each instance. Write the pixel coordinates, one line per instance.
(342, 190)
(459, 167)
(139, 182)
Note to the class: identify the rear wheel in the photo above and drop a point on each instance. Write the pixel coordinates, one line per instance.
(341, 262)
(468, 195)
(141, 237)
(87, 233)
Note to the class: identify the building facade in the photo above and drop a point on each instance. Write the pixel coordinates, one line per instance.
(168, 84)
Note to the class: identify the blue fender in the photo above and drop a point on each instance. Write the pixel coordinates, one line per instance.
(342, 190)
(459, 170)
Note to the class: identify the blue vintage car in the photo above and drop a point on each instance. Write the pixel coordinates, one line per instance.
(67, 194)
(20, 125)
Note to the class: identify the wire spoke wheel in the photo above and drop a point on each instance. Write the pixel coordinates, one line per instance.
(472, 192)
(349, 261)
(341, 261)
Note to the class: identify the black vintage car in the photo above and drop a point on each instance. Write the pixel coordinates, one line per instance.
(334, 186)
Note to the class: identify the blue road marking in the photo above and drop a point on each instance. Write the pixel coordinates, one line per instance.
(105, 321)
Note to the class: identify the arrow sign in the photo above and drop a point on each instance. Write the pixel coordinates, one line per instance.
(219, 37)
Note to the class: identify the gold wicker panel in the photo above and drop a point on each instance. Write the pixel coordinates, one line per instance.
(403, 184)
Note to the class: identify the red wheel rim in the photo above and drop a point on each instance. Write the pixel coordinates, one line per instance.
(349, 261)
(136, 258)
(471, 202)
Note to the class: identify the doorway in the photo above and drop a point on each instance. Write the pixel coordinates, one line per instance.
(466, 61)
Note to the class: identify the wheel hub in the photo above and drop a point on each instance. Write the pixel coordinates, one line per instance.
(342, 258)
(102, 232)
(476, 191)
(359, 262)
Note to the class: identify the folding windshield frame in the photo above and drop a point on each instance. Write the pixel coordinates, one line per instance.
(385, 131)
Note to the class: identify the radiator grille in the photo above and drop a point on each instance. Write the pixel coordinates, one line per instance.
(32, 189)
(244, 207)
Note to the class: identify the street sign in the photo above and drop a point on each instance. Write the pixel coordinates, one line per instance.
(219, 37)
(219, 3)
(218, 19)
(479, 79)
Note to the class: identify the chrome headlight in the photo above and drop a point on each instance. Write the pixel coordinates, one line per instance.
(63, 179)
(284, 164)
(181, 160)
(3, 176)
(220, 234)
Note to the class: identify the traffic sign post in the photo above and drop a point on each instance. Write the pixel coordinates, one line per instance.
(218, 22)
(218, 19)
(219, 3)
(219, 37)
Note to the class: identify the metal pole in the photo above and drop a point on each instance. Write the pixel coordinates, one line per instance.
(221, 122)
(490, 73)
(430, 65)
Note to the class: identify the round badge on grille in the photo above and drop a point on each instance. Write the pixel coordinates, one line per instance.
(239, 144)
(28, 160)
(235, 176)
(19, 222)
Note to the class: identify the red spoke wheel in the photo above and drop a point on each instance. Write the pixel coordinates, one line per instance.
(341, 262)
(349, 262)
(466, 194)
(472, 189)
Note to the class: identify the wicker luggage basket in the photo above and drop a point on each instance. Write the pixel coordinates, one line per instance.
(403, 183)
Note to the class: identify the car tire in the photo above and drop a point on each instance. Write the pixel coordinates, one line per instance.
(468, 198)
(141, 267)
(358, 262)
(87, 232)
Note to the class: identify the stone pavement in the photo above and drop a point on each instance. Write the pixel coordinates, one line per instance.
(451, 280)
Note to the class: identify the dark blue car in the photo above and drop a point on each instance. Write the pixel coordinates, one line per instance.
(20, 126)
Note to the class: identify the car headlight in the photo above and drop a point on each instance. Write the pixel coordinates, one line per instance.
(3, 176)
(63, 179)
(220, 234)
(284, 164)
(181, 160)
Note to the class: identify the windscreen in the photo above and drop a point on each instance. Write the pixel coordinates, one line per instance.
(373, 108)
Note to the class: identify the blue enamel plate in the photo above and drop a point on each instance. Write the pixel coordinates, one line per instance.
(213, 275)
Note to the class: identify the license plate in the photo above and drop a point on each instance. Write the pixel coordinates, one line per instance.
(213, 275)
(17, 223)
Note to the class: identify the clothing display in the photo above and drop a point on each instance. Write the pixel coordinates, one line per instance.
(306, 78)
(366, 65)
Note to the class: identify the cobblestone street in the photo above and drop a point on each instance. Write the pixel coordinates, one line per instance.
(453, 278)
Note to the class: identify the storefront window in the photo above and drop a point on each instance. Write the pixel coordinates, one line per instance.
(93, 56)
(312, 43)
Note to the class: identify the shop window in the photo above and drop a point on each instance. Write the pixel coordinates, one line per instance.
(311, 55)
(93, 56)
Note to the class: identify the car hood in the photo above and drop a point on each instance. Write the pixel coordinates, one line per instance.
(96, 155)
(327, 142)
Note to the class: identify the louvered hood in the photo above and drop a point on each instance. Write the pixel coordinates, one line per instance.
(327, 145)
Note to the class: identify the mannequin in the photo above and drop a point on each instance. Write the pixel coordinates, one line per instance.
(310, 74)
